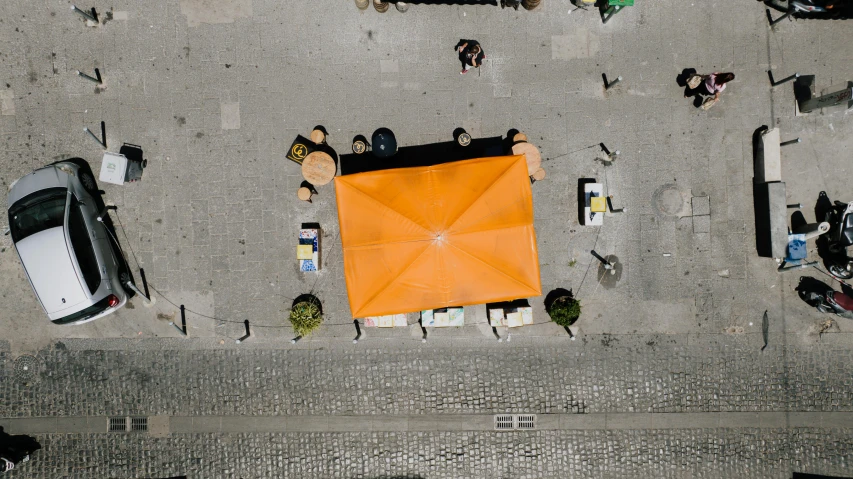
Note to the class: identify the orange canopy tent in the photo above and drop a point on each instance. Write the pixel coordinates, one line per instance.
(431, 237)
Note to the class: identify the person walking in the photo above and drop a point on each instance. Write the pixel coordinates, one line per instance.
(15, 450)
(470, 54)
(712, 84)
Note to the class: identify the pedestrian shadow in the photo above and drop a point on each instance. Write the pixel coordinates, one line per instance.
(697, 93)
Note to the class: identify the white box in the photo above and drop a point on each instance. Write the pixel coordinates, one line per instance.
(113, 168)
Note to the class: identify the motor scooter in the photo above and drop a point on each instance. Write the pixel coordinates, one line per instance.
(840, 235)
(837, 9)
(826, 300)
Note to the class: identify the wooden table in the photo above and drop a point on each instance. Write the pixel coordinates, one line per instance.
(319, 168)
(534, 158)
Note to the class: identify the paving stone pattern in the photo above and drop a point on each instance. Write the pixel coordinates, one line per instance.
(594, 379)
(697, 453)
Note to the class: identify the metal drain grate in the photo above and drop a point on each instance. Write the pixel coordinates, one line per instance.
(503, 422)
(27, 368)
(118, 424)
(525, 421)
(139, 424)
(511, 422)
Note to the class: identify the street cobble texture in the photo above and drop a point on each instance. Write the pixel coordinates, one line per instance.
(697, 453)
(590, 379)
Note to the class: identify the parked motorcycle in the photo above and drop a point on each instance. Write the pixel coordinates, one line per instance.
(821, 9)
(825, 299)
(838, 238)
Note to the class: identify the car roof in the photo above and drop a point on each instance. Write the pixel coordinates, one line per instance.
(47, 259)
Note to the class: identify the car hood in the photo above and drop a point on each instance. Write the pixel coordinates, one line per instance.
(48, 263)
(47, 177)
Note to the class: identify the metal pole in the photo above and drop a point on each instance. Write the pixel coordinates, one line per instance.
(87, 130)
(248, 333)
(774, 22)
(86, 15)
(786, 79)
(790, 142)
(96, 80)
(183, 320)
(795, 206)
(104, 133)
(498, 336)
(178, 328)
(611, 84)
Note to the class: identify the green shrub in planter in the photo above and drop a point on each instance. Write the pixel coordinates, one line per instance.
(565, 311)
(306, 317)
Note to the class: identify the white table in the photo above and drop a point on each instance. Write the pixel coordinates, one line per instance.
(590, 218)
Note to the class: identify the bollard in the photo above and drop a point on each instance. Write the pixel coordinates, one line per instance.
(144, 283)
(790, 142)
(88, 16)
(571, 334)
(357, 331)
(795, 206)
(784, 80)
(609, 85)
(248, 333)
(607, 264)
(96, 78)
(183, 320)
(295, 340)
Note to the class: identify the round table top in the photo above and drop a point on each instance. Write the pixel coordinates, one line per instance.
(531, 153)
(319, 168)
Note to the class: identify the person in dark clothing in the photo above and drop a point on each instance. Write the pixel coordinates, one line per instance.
(15, 450)
(470, 54)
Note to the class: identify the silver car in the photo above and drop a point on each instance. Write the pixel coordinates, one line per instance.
(72, 261)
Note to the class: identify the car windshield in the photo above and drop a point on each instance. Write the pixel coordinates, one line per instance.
(36, 212)
(87, 313)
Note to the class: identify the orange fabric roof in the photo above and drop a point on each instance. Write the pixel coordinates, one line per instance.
(430, 237)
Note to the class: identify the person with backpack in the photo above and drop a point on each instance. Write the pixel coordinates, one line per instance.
(470, 54)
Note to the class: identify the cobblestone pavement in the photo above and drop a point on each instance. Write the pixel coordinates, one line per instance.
(694, 453)
(587, 379)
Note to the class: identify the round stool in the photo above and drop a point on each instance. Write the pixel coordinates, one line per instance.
(304, 194)
(530, 4)
(362, 4)
(358, 147)
(380, 6)
(318, 137)
(538, 175)
(519, 137)
(402, 7)
(464, 139)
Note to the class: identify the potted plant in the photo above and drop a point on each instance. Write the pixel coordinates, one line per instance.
(306, 314)
(565, 310)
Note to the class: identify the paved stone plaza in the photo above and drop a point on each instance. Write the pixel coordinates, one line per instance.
(667, 377)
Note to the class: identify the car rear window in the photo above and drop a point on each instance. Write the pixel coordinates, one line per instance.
(36, 212)
(81, 243)
(93, 310)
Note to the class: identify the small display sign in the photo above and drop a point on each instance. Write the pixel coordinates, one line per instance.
(300, 148)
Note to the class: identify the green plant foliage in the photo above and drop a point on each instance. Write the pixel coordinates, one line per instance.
(565, 311)
(306, 317)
